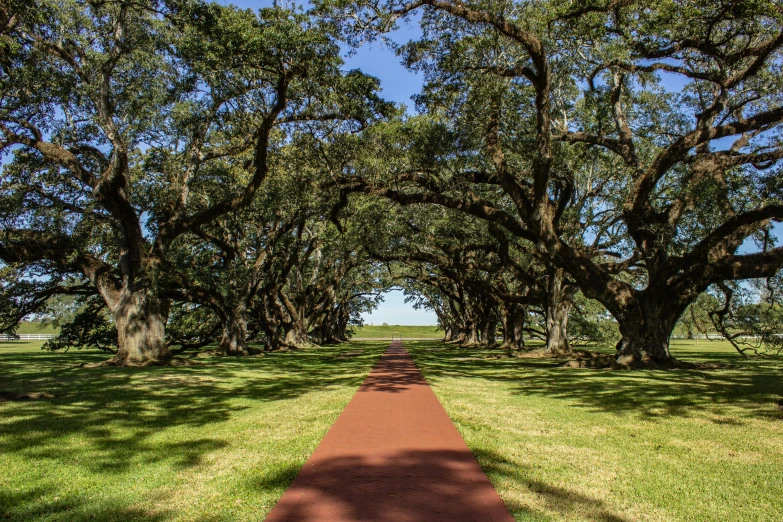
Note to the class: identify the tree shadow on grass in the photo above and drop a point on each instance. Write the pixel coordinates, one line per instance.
(120, 413)
(419, 485)
(663, 394)
(27, 505)
(749, 390)
(557, 500)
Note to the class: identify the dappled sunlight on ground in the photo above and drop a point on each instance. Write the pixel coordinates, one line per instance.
(576, 444)
(160, 443)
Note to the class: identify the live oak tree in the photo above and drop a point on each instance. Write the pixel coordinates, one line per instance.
(226, 264)
(689, 203)
(124, 125)
(474, 276)
(439, 255)
(285, 271)
(323, 277)
(643, 195)
(348, 280)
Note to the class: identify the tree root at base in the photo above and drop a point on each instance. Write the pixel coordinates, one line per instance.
(603, 361)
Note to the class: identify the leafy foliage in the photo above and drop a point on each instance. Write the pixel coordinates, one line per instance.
(590, 323)
(216, 172)
(750, 317)
(90, 327)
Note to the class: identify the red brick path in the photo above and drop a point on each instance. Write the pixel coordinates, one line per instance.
(392, 455)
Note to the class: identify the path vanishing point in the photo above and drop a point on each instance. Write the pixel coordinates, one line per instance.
(392, 455)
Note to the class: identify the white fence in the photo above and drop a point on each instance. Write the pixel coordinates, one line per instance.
(26, 337)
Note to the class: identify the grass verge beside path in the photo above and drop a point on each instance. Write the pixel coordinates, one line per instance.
(386, 332)
(219, 441)
(615, 446)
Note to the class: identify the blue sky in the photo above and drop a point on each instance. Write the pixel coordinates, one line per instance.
(394, 310)
(376, 59)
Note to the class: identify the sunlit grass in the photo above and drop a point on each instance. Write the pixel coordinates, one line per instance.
(396, 331)
(35, 327)
(565, 444)
(220, 441)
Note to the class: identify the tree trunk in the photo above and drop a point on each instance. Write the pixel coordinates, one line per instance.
(557, 329)
(141, 329)
(325, 334)
(488, 332)
(295, 337)
(472, 337)
(342, 323)
(234, 339)
(271, 323)
(558, 307)
(645, 329)
(461, 334)
(513, 327)
(273, 338)
(318, 334)
(448, 333)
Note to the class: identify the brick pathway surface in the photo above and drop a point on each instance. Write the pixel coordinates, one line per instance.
(392, 455)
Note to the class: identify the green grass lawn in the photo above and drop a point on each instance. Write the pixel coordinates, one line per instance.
(386, 332)
(614, 446)
(35, 327)
(220, 441)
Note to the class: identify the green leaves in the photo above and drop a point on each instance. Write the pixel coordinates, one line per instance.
(130, 126)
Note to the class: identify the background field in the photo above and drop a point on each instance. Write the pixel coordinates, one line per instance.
(615, 446)
(219, 441)
(365, 332)
(36, 328)
(386, 332)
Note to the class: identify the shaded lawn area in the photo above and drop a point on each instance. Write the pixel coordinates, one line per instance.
(598, 445)
(219, 441)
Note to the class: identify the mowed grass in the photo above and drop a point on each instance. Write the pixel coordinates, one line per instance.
(613, 446)
(386, 332)
(35, 327)
(218, 441)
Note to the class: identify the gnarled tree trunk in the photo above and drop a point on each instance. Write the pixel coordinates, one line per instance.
(558, 306)
(490, 326)
(513, 327)
(295, 336)
(646, 328)
(234, 338)
(448, 333)
(472, 334)
(141, 329)
(273, 338)
(460, 334)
